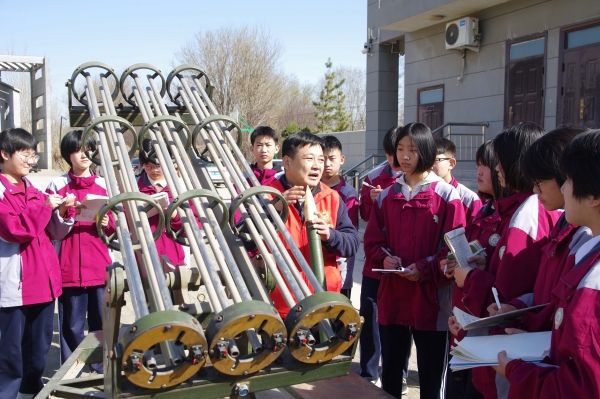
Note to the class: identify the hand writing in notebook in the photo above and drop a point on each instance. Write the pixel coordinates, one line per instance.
(504, 307)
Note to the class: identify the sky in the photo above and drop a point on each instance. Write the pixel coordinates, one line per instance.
(122, 33)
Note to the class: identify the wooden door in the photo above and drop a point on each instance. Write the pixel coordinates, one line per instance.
(524, 99)
(430, 110)
(579, 95)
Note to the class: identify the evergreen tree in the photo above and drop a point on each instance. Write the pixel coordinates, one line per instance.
(330, 109)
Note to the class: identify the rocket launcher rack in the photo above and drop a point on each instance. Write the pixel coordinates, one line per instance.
(208, 327)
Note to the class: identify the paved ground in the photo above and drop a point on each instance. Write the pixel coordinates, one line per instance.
(43, 178)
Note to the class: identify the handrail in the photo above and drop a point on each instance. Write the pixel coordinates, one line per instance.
(450, 124)
(352, 170)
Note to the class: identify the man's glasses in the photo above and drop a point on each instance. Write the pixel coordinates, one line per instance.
(442, 159)
(29, 158)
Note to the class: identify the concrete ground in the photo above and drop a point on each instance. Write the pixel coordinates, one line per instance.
(42, 179)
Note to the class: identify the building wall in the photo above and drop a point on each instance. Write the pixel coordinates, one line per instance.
(353, 145)
(479, 95)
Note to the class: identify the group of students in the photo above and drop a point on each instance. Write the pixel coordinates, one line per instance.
(48, 253)
(534, 253)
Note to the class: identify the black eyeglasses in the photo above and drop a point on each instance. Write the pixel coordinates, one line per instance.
(441, 159)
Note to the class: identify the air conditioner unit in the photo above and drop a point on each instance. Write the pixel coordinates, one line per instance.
(462, 33)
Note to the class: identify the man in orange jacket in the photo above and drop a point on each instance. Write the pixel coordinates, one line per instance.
(303, 163)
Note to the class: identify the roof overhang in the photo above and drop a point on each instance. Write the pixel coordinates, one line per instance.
(416, 15)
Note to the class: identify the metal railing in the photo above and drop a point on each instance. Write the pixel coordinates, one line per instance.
(466, 142)
(361, 169)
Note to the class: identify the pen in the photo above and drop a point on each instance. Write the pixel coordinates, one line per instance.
(495, 293)
(388, 253)
(368, 185)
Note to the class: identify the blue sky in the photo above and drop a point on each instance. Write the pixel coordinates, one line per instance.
(122, 33)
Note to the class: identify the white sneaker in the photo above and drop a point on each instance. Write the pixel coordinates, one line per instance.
(377, 383)
(404, 386)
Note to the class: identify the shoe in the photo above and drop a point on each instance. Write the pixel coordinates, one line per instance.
(404, 386)
(377, 383)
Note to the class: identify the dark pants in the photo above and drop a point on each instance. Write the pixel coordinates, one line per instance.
(460, 386)
(370, 346)
(431, 359)
(25, 339)
(73, 305)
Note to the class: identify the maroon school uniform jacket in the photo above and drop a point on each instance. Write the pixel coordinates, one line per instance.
(384, 177)
(558, 257)
(83, 256)
(524, 229)
(483, 228)
(350, 197)
(470, 200)
(572, 369)
(264, 176)
(29, 270)
(165, 245)
(411, 224)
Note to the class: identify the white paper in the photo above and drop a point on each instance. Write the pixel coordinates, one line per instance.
(483, 350)
(470, 322)
(458, 244)
(90, 207)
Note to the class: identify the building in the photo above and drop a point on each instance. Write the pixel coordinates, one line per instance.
(526, 60)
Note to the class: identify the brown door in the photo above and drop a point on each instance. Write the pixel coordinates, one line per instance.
(579, 97)
(525, 82)
(430, 110)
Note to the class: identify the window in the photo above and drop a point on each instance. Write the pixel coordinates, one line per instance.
(431, 106)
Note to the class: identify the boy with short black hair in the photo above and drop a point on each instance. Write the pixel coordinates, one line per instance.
(572, 368)
(303, 162)
(445, 161)
(334, 159)
(265, 144)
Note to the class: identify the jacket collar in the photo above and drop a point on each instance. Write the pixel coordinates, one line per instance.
(507, 205)
(82, 181)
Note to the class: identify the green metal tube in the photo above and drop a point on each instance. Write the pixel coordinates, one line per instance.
(316, 253)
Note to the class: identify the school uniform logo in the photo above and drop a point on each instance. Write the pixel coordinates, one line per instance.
(494, 239)
(436, 218)
(501, 251)
(558, 318)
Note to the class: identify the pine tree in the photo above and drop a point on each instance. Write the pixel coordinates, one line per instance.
(330, 109)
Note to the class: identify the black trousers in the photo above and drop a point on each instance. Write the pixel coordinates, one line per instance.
(431, 358)
(25, 339)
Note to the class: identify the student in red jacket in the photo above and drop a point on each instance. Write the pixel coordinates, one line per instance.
(265, 144)
(572, 369)
(407, 225)
(29, 269)
(83, 256)
(151, 181)
(524, 229)
(445, 161)
(375, 182)
(334, 159)
(542, 165)
(303, 165)
(483, 228)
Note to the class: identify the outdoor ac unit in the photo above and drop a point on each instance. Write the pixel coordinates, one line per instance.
(462, 33)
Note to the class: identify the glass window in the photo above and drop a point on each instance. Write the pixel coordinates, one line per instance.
(431, 96)
(583, 37)
(529, 48)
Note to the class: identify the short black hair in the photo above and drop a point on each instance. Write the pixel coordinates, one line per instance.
(147, 153)
(71, 143)
(331, 142)
(16, 139)
(422, 139)
(389, 141)
(444, 145)
(300, 139)
(264, 131)
(486, 156)
(581, 164)
(510, 147)
(542, 159)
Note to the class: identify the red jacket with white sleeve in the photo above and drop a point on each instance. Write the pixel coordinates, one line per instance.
(469, 198)
(572, 369)
(524, 229)
(411, 224)
(83, 256)
(29, 270)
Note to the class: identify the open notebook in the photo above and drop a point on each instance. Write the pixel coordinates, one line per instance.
(483, 350)
(470, 322)
(92, 203)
